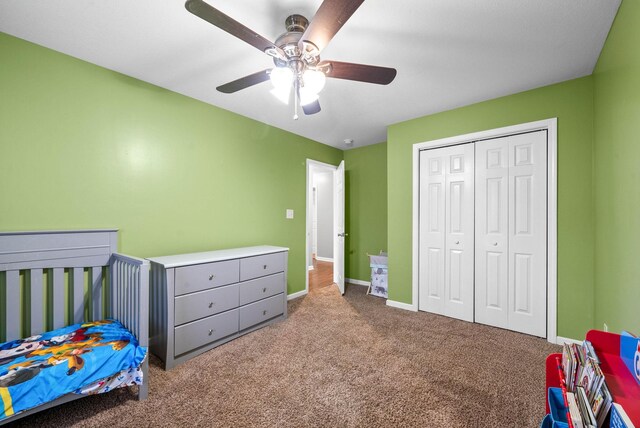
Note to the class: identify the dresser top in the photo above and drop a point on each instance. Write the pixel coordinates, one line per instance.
(215, 256)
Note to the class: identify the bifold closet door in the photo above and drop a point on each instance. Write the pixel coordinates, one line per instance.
(492, 232)
(446, 231)
(511, 232)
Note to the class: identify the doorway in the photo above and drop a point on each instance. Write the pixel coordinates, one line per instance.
(324, 226)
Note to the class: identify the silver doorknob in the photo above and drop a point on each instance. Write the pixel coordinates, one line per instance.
(342, 235)
(457, 242)
(211, 304)
(211, 277)
(495, 244)
(211, 331)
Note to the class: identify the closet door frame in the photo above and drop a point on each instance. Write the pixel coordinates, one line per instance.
(551, 126)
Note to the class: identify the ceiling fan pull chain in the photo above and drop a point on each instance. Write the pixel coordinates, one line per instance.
(296, 98)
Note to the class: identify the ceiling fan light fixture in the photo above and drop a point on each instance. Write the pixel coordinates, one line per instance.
(307, 96)
(281, 78)
(314, 80)
(283, 93)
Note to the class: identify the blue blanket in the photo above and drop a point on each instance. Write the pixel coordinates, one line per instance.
(41, 368)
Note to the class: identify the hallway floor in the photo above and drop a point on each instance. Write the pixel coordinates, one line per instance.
(321, 276)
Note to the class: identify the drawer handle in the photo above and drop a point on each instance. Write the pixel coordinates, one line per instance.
(211, 304)
(264, 312)
(211, 277)
(211, 331)
(264, 267)
(264, 290)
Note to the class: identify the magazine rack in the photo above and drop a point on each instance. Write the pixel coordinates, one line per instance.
(623, 387)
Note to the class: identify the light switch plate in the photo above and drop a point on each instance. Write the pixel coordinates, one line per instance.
(289, 213)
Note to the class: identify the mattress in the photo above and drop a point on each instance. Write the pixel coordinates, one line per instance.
(85, 358)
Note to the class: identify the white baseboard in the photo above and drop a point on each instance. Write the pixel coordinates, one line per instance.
(296, 295)
(401, 305)
(357, 282)
(324, 259)
(562, 340)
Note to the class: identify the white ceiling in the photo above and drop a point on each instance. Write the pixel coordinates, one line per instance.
(448, 53)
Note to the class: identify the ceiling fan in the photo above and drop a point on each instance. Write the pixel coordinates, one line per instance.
(296, 53)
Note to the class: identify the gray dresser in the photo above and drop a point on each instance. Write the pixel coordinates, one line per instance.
(202, 300)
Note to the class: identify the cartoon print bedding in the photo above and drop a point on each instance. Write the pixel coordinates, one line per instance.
(85, 358)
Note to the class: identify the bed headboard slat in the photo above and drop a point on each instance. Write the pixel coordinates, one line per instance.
(78, 295)
(96, 291)
(58, 298)
(37, 302)
(13, 303)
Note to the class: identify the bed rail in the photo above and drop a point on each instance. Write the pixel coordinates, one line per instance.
(130, 294)
(129, 302)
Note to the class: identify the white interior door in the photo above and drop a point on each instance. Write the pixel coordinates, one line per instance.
(338, 221)
(492, 235)
(432, 230)
(447, 231)
(511, 232)
(528, 233)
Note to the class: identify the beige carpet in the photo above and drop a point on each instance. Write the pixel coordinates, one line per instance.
(343, 362)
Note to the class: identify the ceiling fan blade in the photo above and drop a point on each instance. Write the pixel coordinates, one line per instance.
(233, 27)
(244, 82)
(312, 108)
(359, 72)
(327, 21)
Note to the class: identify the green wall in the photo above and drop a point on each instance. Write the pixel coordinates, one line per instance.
(572, 103)
(366, 207)
(617, 174)
(85, 147)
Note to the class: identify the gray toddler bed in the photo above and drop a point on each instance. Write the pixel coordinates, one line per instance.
(49, 280)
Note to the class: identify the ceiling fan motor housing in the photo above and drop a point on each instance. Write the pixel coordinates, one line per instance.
(296, 23)
(289, 43)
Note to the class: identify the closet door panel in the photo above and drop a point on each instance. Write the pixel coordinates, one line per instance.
(528, 233)
(432, 231)
(491, 248)
(459, 226)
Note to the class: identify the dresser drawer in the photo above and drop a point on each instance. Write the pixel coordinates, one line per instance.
(261, 288)
(201, 277)
(260, 311)
(199, 333)
(202, 304)
(255, 267)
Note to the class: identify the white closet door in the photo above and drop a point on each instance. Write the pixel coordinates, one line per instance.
(432, 231)
(528, 233)
(511, 232)
(447, 231)
(492, 234)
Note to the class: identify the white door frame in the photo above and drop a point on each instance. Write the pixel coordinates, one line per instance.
(308, 227)
(551, 126)
(338, 232)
